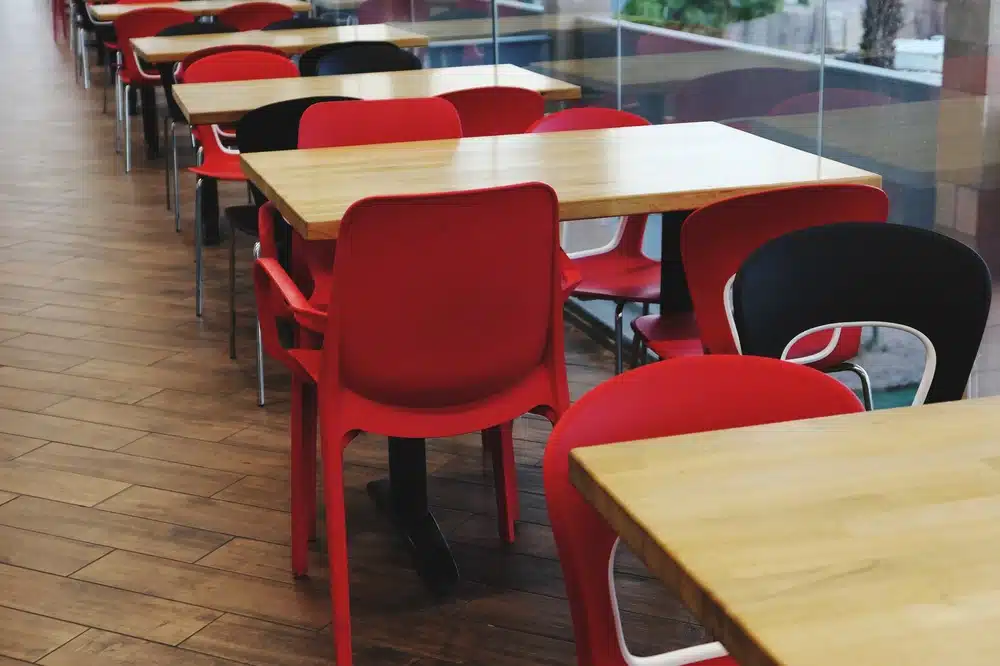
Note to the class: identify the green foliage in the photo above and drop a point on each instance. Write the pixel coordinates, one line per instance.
(697, 15)
(881, 21)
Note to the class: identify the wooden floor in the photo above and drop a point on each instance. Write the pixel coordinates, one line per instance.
(144, 495)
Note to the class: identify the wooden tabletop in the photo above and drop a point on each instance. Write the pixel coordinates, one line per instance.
(659, 68)
(596, 173)
(109, 12)
(173, 49)
(206, 103)
(862, 540)
(443, 30)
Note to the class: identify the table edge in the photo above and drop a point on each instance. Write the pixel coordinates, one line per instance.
(297, 6)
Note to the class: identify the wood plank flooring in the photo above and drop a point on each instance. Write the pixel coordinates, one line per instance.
(144, 495)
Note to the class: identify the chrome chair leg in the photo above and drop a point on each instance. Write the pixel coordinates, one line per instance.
(118, 111)
(127, 138)
(260, 347)
(232, 290)
(166, 159)
(177, 176)
(639, 349)
(867, 398)
(198, 282)
(84, 61)
(619, 336)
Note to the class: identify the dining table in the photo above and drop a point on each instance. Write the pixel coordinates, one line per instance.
(109, 12)
(671, 169)
(227, 102)
(864, 539)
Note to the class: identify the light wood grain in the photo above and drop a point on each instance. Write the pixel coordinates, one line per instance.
(103, 648)
(173, 49)
(259, 491)
(12, 446)
(94, 526)
(43, 552)
(68, 431)
(206, 103)
(862, 539)
(30, 636)
(595, 173)
(25, 479)
(109, 12)
(262, 643)
(68, 385)
(263, 560)
(87, 348)
(220, 456)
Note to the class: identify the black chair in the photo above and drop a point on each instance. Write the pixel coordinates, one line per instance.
(300, 23)
(174, 114)
(858, 274)
(356, 58)
(265, 129)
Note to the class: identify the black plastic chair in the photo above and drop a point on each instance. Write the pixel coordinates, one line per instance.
(859, 274)
(174, 115)
(300, 23)
(265, 129)
(357, 58)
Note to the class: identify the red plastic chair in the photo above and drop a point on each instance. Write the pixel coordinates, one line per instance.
(129, 26)
(218, 161)
(833, 99)
(717, 238)
(458, 351)
(254, 15)
(378, 121)
(619, 271)
(707, 393)
(496, 110)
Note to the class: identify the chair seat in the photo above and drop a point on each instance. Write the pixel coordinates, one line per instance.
(227, 168)
(148, 80)
(671, 335)
(611, 276)
(243, 219)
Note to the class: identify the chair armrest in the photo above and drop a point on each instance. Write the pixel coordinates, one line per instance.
(271, 282)
(571, 276)
(265, 230)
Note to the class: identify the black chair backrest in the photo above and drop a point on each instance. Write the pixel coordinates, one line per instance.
(300, 23)
(865, 274)
(274, 127)
(167, 69)
(356, 58)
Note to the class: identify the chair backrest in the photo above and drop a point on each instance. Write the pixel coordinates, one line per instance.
(833, 99)
(356, 58)
(460, 326)
(255, 15)
(740, 93)
(629, 235)
(378, 121)
(141, 2)
(717, 239)
(684, 395)
(300, 23)
(167, 69)
(145, 22)
(239, 65)
(384, 11)
(192, 58)
(274, 127)
(884, 275)
(496, 110)
(587, 118)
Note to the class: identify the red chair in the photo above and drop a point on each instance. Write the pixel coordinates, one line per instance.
(254, 15)
(833, 99)
(457, 351)
(708, 393)
(496, 110)
(218, 161)
(129, 26)
(619, 271)
(378, 121)
(716, 239)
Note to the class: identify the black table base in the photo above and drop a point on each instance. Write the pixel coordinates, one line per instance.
(403, 497)
(674, 296)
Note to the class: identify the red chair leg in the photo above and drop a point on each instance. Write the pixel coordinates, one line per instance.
(500, 442)
(303, 473)
(336, 535)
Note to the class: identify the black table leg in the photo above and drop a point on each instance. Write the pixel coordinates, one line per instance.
(210, 212)
(674, 296)
(404, 497)
(150, 126)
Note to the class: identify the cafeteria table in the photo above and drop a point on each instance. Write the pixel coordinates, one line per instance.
(227, 102)
(864, 540)
(110, 12)
(595, 173)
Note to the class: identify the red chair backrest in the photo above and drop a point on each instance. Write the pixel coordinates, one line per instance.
(587, 118)
(679, 396)
(496, 110)
(716, 239)
(144, 23)
(833, 99)
(240, 65)
(141, 2)
(227, 48)
(436, 318)
(363, 122)
(254, 15)
(739, 93)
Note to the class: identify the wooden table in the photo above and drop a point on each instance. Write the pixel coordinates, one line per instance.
(109, 12)
(596, 173)
(206, 103)
(173, 49)
(862, 540)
